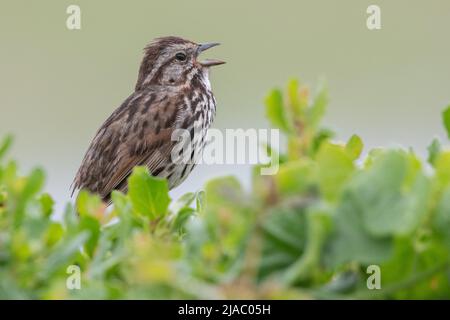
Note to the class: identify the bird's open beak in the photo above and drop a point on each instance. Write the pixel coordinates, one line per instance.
(209, 62)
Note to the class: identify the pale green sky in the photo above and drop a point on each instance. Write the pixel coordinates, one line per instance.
(57, 86)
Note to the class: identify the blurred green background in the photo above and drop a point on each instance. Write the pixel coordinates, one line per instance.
(57, 86)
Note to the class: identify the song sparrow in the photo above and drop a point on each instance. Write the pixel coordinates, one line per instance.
(172, 92)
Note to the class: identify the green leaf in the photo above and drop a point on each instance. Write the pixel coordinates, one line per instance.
(276, 112)
(294, 98)
(46, 204)
(149, 195)
(418, 269)
(31, 186)
(92, 225)
(378, 205)
(354, 147)
(442, 221)
(182, 218)
(293, 177)
(34, 183)
(446, 120)
(340, 283)
(122, 209)
(350, 240)
(183, 202)
(89, 204)
(318, 228)
(182, 210)
(334, 168)
(227, 220)
(54, 233)
(121, 202)
(199, 201)
(398, 213)
(318, 108)
(61, 256)
(284, 239)
(433, 151)
(70, 217)
(323, 135)
(3, 197)
(387, 203)
(442, 170)
(5, 145)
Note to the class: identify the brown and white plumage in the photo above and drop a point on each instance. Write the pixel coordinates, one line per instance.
(170, 94)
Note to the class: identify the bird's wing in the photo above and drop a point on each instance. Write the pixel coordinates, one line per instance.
(137, 133)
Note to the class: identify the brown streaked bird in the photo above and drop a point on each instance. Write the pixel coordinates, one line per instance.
(172, 92)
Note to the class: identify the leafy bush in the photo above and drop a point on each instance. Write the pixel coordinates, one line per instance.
(309, 231)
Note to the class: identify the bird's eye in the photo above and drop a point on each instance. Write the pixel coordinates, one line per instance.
(180, 56)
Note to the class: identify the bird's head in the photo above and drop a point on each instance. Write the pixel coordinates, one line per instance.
(173, 61)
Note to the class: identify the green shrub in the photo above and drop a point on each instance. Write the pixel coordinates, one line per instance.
(309, 231)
